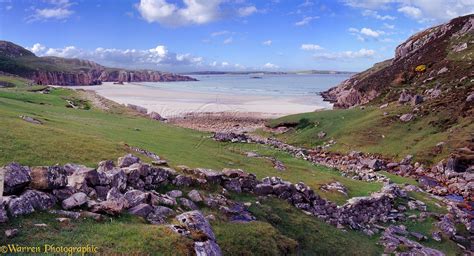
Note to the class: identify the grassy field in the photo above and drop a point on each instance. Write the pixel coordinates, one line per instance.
(369, 130)
(89, 135)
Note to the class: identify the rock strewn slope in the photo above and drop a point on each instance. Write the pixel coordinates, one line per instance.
(443, 54)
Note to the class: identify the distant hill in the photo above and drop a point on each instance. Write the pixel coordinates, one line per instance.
(438, 59)
(17, 60)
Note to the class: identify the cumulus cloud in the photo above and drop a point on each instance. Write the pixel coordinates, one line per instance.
(269, 65)
(56, 10)
(311, 47)
(365, 33)
(158, 56)
(267, 43)
(376, 15)
(411, 12)
(421, 10)
(247, 11)
(193, 11)
(305, 20)
(346, 55)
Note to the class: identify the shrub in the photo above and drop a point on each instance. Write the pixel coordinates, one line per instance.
(304, 123)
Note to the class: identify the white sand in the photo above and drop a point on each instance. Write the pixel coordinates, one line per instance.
(171, 103)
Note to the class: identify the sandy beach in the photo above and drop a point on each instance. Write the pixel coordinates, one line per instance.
(177, 103)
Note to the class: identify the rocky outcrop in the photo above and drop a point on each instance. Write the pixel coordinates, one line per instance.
(430, 48)
(63, 71)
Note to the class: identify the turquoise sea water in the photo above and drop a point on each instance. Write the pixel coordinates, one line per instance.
(267, 85)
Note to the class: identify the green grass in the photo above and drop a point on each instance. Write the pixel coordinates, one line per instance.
(89, 136)
(370, 131)
(125, 234)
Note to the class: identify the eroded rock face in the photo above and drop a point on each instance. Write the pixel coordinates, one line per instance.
(16, 178)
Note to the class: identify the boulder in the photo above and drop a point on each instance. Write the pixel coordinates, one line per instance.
(118, 179)
(195, 196)
(187, 204)
(263, 189)
(48, 178)
(321, 135)
(156, 116)
(76, 200)
(374, 164)
(175, 193)
(63, 193)
(83, 178)
(406, 117)
(160, 199)
(404, 97)
(426, 182)
(207, 248)
(30, 201)
(159, 215)
(105, 166)
(111, 207)
(183, 181)
(136, 197)
(127, 160)
(195, 221)
(232, 185)
(141, 210)
(16, 178)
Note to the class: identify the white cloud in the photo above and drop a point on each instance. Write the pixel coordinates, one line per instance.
(270, 66)
(421, 10)
(369, 32)
(305, 21)
(311, 47)
(228, 40)
(411, 12)
(389, 26)
(247, 11)
(267, 43)
(220, 33)
(346, 55)
(158, 56)
(193, 12)
(37, 48)
(364, 33)
(376, 15)
(225, 64)
(57, 9)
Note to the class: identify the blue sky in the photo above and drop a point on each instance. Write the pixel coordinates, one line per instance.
(188, 35)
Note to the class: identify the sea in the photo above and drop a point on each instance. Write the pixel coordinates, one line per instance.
(258, 85)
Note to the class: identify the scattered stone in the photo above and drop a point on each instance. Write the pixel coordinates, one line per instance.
(417, 99)
(63, 220)
(252, 154)
(41, 225)
(157, 117)
(443, 70)
(418, 236)
(460, 47)
(406, 117)
(321, 135)
(404, 97)
(10, 233)
(31, 120)
(195, 221)
(383, 106)
(436, 235)
(335, 186)
(68, 214)
(470, 98)
(76, 200)
(208, 247)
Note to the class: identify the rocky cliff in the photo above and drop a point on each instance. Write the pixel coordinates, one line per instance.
(17, 60)
(440, 58)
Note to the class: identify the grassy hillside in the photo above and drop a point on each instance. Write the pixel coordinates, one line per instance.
(369, 130)
(89, 135)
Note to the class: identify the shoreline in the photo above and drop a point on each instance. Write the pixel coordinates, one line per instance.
(172, 103)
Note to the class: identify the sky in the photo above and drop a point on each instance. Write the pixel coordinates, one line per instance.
(237, 35)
